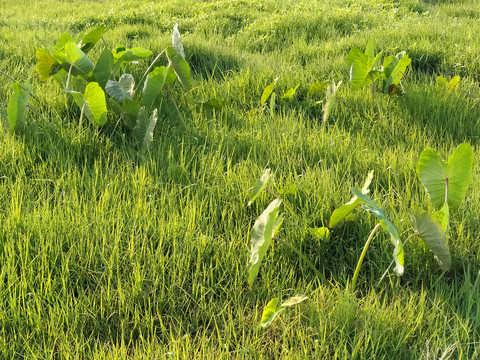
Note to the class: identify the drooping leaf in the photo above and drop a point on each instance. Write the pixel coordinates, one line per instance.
(153, 85)
(294, 300)
(321, 233)
(330, 99)
(430, 231)
(45, 64)
(104, 68)
(442, 217)
(435, 175)
(17, 107)
(340, 213)
(290, 93)
(171, 77)
(267, 92)
(379, 213)
(121, 89)
(92, 103)
(263, 230)
(71, 57)
(177, 42)
(180, 66)
(143, 130)
(88, 41)
(259, 186)
(270, 312)
(317, 87)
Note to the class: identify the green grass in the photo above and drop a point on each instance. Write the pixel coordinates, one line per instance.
(109, 254)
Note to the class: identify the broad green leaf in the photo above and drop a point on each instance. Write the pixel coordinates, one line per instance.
(430, 231)
(360, 68)
(180, 66)
(153, 85)
(453, 83)
(270, 312)
(370, 49)
(62, 40)
(177, 42)
(272, 103)
(294, 300)
(395, 70)
(104, 68)
(340, 213)
(89, 40)
(72, 57)
(143, 130)
(330, 99)
(442, 83)
(92, 103)
(129, 111)
(379, 213)
(321, 233)
(317, 87)
(45, 64)
(17, 107)
(259, 186)
(267, 92)
(171, 77)
(124, 55)
(263, 231)
(446, 180)
(442, 216)
(121, 90)
(290, 93)
(213, 103)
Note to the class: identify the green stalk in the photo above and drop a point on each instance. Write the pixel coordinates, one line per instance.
(362, 256)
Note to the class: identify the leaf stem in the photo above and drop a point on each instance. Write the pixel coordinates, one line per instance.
(148, 69)
(362, 256)
(68, 77)
(35, 111)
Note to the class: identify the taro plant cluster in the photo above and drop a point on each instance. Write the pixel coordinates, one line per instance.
(446, 183)
(106, 85)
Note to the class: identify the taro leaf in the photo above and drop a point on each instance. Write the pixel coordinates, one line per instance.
(394, 69)
(104, 68)
(330, 99)
(446, 180)
(453, 83)
(92, 103)
(370, 49)
(430, 231)
(259, 186)
(442, 216)
(123, 55)
(170, 78)
(379, 213)
(72, 57)
(340, 213)
(45, 64)
(270, 311)
(213, 103)
(272, 103)
(129, 110)
(89, 40)
(153, 85)
(442, 83)
(143, 130)
(317, 87)
(121, 90)
(361, 69)
(180, 66)
(290, 93)
(321, 233)
(177, 42)
(263, 231)
(17, 107)
(62, 40)
(267, 92)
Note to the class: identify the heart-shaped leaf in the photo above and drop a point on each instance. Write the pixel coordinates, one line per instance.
(263, 231)
(446, 181)
(72, 57)
(121, 89)
(91, 38)
(104, 68)
(45, 64)
(92, 103)
(153, 85)
(143, 130)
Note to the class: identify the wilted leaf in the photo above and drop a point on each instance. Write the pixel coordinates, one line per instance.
(263, 230)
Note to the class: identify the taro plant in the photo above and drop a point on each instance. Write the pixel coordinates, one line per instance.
(365, 70)
(443, 84)
(273, 309)
(107, 84)
(446, 183)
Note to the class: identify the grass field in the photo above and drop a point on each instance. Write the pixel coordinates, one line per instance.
(107, 253)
